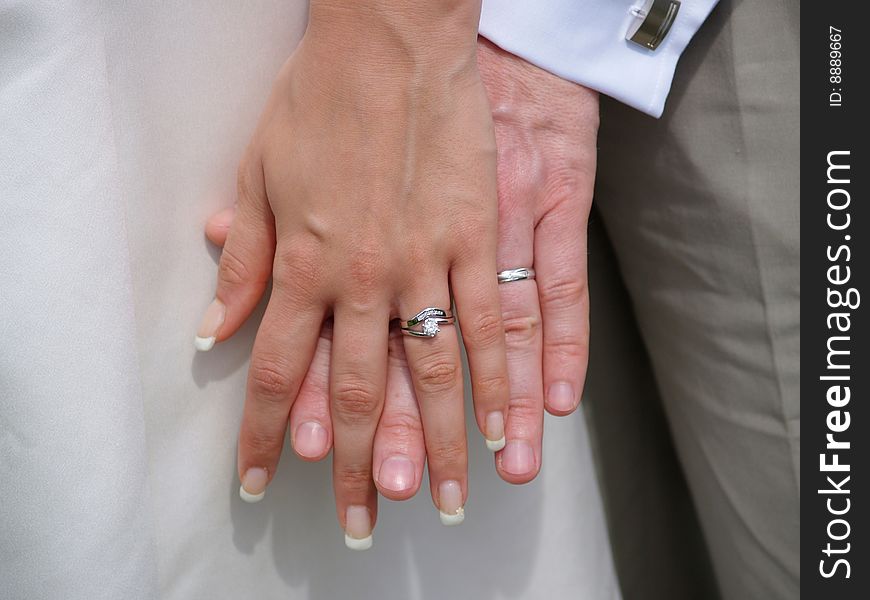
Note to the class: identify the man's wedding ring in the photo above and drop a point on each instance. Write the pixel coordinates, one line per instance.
(427, 323)
(516, 275)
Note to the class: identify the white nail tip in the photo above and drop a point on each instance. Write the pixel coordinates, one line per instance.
(495, 445)
(357, 543)
(454, 519)
(204, 344)
(249, 497)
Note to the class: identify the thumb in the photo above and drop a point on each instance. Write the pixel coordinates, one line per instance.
(218, 226)
(247, 234)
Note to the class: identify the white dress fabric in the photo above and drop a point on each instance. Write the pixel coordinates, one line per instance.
(120, 128)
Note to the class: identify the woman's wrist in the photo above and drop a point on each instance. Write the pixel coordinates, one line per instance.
(397, 39)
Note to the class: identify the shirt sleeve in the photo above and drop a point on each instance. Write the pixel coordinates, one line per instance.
(584, 41)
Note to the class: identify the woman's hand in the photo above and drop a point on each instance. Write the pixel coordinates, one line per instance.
(368, 192)
(546, 130)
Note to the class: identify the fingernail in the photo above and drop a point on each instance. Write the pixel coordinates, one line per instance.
(518, 457)
(397, 473)
(495, 431)
(210, 325)
(450, 503)
(562, 397)
(358, 532)
(310, 439)
(253, 486)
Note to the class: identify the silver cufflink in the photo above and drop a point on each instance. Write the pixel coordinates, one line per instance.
(652, 22)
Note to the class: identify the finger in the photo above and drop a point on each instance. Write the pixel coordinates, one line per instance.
(436, 372)
(475, 290)
(518, 185)
(245, 264)
(218, 226)
(310, 422)
(282, 353)
(358, 375)
(521, 459)
(560, 263)
(400, 452)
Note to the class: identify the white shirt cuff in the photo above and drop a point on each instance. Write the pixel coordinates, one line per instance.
(584, 41)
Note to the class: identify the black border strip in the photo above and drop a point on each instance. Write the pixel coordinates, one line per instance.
(835, 225)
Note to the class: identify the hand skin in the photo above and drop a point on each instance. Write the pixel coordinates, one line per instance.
(546, 133)
(546, 130)
(368, 192)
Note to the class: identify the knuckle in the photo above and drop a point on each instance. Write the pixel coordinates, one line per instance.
(269, 379)
(477, 236)
(475, 226)
(568, 183)
(493, 386)
(356, 401)
(565, 183)
(564, 292)
(355, 478)
(521, 330)
(487, 330)
(367, 268)
(260, 444)
(297, 264)
(368, 256)
(423, 248)
(448, 453)
(438, 374)
(232, 270)
(400, 427)
(245, 183)
(526, 413)
(243, 180)
(571, 346)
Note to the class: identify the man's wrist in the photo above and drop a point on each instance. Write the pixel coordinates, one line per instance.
(508, 79)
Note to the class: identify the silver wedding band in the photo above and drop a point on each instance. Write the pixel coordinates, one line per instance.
(516, 274)
(427, 323)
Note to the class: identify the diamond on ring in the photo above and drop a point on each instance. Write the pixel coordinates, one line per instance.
(430, 327)
(427, 322)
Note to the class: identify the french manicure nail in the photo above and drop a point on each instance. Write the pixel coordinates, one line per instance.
(495, 431)
(358, 532)
(561, 396)
(253, 486)
(518, 457)
(210, 325)
(310, 439)
(450, 507)
(397, 473)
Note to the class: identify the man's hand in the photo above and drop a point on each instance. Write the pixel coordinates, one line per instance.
(546, 132)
